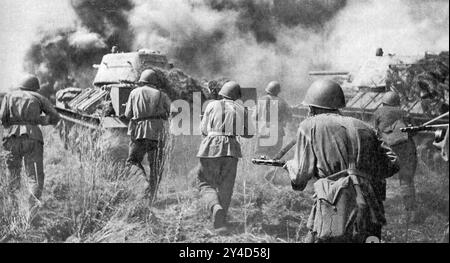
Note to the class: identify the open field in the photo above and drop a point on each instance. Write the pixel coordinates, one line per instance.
(89, 200)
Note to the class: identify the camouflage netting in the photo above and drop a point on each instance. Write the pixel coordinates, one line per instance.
(179, 85)
(427, 80)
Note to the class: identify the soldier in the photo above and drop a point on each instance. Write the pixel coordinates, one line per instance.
(20, 114)
(148, 109)
(271, 99)
(388, 120)
(379, 52)
(340, 152)
(222, 124)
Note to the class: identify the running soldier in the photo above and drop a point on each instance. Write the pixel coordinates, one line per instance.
(350, 164)
(220, 150)
(20, 114)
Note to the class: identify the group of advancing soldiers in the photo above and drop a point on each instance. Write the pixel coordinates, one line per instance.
(347, 157)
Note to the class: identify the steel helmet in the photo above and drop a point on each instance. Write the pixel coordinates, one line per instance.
(325, 94)
(231, 90)
(148, 76)
(273, 88)
(391, 99)
(29, 82)
(379, 52)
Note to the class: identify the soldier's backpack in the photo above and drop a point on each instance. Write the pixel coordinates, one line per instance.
(345, 210)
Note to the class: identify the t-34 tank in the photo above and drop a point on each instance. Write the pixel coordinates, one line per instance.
(95, 111)
(411, 77)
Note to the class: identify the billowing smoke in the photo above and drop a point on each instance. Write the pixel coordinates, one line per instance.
(251, 41)
(63, 57)
(108, 18)
(402, 27)
(258, 41)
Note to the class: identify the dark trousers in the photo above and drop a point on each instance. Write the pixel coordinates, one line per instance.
(407, 157)
(216, 180)
(31, 153)
(154, 150)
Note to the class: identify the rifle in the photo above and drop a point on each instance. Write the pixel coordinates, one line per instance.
(268, 162)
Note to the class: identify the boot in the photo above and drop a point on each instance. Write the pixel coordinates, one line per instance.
(218, 217)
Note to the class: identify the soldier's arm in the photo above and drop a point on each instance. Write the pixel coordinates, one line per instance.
(168, 111)
(388, 160)
(302, 168)
(129, 107)
(205, 120)
(52, 116)
(287, 112)
(375, 121)
(249, 127)
(4, 115)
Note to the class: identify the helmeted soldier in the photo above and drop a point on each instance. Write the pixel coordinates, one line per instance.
(388, 120)
(379, 52)
(266, 103)
(148, 110)
(21, 113)
(350, 163)
(223, 122)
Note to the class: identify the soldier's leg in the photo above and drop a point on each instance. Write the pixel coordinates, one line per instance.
(228, 175)
(13, 163)
(136, 153)
(155, 155)
(208, 174)
(34, 166)
(408, 163)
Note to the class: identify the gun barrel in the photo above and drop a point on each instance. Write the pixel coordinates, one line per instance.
(328, 73)
(424, 128)
(285, 149)
(276, 163)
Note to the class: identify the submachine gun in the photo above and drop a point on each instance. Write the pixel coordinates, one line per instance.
(439, 130)
(276, 161)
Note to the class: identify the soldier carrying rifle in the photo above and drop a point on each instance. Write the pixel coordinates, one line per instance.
(350, 164)
(388, 120)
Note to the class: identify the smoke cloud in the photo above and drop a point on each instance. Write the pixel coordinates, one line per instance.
(258, 41)
(19, 22)
(250, 41)
(63, 57)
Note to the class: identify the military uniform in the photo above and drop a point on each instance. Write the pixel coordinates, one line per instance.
(263, 117)
(350, 164)
(148, 110)
(323, 150)
(20, 114)
(220, 150)
(384, 121)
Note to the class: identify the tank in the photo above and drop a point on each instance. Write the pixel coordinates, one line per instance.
(365, 89)
(101, 105)
(95, 110)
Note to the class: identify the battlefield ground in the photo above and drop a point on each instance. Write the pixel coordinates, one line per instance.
(87, 199)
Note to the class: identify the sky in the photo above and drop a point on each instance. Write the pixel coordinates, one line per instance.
(19, 21)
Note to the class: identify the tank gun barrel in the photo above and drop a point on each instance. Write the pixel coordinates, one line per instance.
(328, 73)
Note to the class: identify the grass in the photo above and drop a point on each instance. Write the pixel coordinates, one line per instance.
(87, 198)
